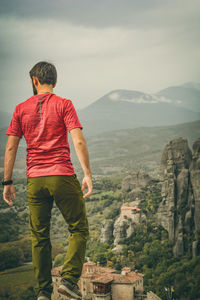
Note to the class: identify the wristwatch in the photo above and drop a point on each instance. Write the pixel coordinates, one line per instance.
(7, 182)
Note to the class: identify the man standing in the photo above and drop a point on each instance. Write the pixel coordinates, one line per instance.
(45, 119)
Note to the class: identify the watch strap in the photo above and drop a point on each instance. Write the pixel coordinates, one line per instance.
(7, 182)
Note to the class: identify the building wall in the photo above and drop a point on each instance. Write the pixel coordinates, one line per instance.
(122, 291)
(101, 297)
(135, 215)
(56, 283)
(127, 212)
(86, 287)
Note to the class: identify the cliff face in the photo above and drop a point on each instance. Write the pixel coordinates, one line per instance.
(106, 231)
(179, 211)
(133, 185)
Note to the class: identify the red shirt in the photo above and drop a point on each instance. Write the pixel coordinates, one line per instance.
(45, 120)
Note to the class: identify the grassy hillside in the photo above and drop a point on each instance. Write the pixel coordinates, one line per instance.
(121, 151)
(17, 283)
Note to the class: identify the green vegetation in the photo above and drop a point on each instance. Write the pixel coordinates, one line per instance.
(116, 152)
(147, 249)
(17, 283)
(9, 223)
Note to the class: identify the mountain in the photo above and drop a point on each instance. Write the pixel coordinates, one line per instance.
(119, 151)
(186, 95)
(120, 109)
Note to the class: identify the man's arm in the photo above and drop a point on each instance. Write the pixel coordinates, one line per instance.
(83, 156)
(9, 160)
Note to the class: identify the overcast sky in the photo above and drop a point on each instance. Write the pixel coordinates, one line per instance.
(98, 46)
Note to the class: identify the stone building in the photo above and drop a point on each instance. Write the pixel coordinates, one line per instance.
(131, 212)
(103, 283)
(130, 217)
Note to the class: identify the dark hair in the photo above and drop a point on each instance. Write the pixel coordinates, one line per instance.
(45, 72)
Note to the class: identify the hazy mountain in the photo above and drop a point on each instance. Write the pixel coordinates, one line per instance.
(118, 151)
(187, 95)
(122, 109)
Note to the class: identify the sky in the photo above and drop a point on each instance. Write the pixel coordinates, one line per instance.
(98, 46)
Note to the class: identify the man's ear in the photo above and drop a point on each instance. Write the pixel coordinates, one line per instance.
(54, 84)
(35, 81)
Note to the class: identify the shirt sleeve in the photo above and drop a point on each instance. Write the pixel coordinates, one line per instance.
(71, 119)
(15, 126)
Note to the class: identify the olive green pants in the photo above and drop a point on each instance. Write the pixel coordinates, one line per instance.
(66, 191)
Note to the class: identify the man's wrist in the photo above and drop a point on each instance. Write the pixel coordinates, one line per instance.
(7, 182)
(88, 174)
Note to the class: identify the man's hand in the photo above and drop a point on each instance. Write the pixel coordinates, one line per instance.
(9, 160)
(87, 181)
(7, 192)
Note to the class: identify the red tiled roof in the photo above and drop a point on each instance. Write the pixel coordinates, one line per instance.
(115, 278)
(103, 279)
(129, 278)
(97, 269)
(106, 270)
(56, 271)
(90, 263)
(104, 275)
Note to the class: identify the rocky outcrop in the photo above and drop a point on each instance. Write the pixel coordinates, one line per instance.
(135, 181)
(179, 211)
(133, 185)
(195, 182)
(130, 216)
(134, 189)
(106, 231)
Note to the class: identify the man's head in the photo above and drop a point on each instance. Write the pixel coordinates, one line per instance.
(43, 76)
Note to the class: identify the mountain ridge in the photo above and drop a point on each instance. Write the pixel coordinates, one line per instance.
(121, 109)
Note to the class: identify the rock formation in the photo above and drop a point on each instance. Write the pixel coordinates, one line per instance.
(106, 231)
(179, 211)
(134, 188)
(133, 185)
(130, 216)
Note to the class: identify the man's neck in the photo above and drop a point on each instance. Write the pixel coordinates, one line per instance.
(45, 89)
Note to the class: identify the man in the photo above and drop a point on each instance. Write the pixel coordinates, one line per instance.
(45, 119)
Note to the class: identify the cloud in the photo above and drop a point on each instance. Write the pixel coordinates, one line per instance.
(87, 13)
(98, 46)
(143, 98)
(106, 13)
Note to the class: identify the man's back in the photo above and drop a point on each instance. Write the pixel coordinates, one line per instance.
(45, 120)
